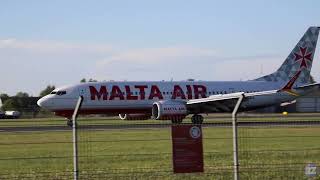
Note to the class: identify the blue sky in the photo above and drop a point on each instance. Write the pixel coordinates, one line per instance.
(61, 42)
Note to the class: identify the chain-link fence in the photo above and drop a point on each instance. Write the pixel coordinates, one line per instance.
(271, 146)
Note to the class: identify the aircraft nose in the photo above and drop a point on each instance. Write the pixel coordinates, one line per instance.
(42, 101)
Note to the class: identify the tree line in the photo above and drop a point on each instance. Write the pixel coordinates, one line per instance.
(23, 102)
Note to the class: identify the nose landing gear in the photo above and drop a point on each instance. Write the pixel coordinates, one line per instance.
(197, 119)
(69, 122)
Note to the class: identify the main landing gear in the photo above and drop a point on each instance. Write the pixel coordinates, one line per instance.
(176, 121)
(197, 119)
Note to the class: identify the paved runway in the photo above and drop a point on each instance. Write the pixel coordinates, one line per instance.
(158, 125)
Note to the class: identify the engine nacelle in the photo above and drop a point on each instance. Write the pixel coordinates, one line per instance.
(169, 110)
(134, 116)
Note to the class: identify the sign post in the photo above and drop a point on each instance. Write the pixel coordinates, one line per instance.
(235, 138)
(75, 138)
(187, 148)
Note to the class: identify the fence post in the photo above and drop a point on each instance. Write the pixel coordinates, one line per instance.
(235, 138)
(75, 138)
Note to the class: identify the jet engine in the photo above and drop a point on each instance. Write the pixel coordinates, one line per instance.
(169, 110)
(134, 116)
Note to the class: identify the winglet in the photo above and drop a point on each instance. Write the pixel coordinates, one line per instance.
(288, 87)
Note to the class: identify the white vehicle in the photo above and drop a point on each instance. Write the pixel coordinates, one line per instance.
(12, 114)
(175, 100)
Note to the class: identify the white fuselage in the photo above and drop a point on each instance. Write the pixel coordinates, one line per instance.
(138, 97)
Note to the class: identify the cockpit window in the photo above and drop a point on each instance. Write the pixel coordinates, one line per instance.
(53, 92)
(60, 93)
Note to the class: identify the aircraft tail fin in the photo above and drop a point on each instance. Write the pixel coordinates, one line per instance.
(288, 87)
(299, 60)
(290, 83)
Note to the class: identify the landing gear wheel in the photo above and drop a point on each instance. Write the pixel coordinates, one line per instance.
(197, 119)
(69, 123)
(176, 121)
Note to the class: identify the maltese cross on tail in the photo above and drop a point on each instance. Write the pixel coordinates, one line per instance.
(303, 56)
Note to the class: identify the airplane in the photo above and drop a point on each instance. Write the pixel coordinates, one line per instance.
(174, 100)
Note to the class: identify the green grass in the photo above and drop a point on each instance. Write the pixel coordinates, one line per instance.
(265, 153)
(220, 118)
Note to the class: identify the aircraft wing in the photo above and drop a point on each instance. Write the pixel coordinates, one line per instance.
(315, 85)
(227, 102)
(307, 89)
(222, 102)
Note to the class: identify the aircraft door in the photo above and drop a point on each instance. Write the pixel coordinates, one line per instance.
(83, 93)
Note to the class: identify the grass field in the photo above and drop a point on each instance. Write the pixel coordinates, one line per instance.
(265, 152)
(116, 121)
